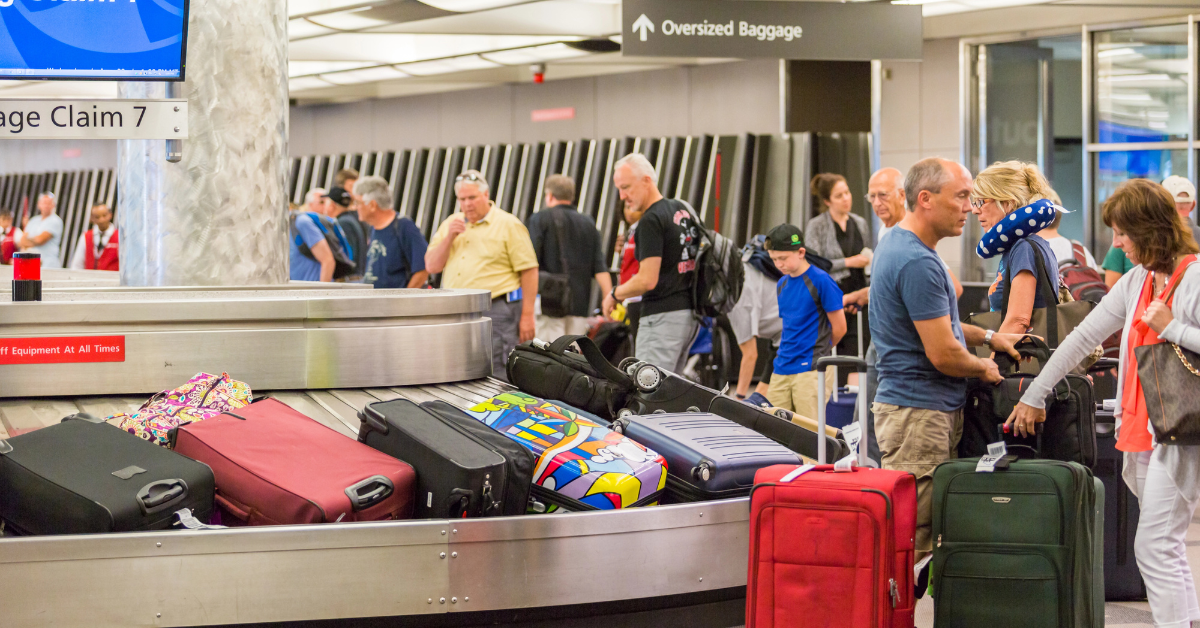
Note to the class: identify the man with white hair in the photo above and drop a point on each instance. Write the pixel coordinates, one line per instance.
(396, 250)
(314, 201)
(485, 247)
(666, 240)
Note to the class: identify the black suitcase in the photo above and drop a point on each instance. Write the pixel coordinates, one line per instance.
(85, 476)
(708, 457)
(464, 468)
(659, 391)
(1122, 579)
(1070, 428)
(551, 371)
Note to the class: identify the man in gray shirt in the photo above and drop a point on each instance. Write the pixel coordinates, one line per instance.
(43, 232)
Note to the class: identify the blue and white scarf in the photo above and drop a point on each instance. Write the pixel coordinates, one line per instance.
(1017, 226)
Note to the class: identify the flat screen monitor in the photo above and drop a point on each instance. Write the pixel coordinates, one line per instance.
(127, 40)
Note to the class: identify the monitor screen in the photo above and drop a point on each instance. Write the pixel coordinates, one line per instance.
(138, 40)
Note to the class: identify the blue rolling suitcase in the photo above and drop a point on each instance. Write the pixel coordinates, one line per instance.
(708, 457)
(839, 412)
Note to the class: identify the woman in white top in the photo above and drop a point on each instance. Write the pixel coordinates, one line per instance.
(1064, 249)
(1166, 478)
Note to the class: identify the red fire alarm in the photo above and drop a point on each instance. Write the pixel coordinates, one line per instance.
(539, 72)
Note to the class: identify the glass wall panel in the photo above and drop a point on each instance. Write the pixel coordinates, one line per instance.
(1141, 84)
(1116, 167)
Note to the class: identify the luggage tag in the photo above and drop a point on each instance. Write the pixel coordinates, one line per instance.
(846, 464)
(797, 472)
(187, 520)
(853, 435)
(987, 464)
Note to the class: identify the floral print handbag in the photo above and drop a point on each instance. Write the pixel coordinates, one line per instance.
(202, 397)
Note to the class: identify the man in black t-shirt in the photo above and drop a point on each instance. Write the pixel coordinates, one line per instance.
(666, 243)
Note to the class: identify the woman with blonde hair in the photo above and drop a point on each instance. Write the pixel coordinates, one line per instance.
(1166, 478)
(1012, 201)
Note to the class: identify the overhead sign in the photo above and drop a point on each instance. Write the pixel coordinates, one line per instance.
(765, 28)
(62, 350)
(27, 119)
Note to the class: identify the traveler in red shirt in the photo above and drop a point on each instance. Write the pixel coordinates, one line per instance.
(629, 268)
(98, 248)
(8, 245)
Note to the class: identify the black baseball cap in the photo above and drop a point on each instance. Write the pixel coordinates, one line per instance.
(339, 196)
(785, 237)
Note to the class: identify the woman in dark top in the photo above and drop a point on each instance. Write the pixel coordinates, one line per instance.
(841, 236)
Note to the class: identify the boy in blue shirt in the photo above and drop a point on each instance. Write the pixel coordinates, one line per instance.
(810, 304)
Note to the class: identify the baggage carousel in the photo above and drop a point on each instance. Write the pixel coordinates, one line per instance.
(328, 352)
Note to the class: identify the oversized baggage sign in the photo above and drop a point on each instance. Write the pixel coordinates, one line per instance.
(780, 30)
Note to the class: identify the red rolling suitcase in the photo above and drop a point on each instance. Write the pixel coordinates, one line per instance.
(831, 548)
(275, 466)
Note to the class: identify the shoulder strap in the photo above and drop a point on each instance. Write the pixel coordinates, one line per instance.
(1078, 252)
(1049, 290)
(556, 218)
(824, 327)
(594, 357)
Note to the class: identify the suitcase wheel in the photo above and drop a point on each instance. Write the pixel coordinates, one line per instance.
(647, 378)
(702, 472)
(626, 365)
(624, 412)
(693, 409)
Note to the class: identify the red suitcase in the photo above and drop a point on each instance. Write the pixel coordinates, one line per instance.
(831, 549)
(275, 466)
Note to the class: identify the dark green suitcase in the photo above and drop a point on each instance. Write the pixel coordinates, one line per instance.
(1015, 548)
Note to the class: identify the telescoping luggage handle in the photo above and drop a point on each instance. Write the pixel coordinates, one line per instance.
(859, 319)
(857, 441)
(591, 352)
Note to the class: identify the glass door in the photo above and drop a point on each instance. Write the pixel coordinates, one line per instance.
(1141, 109)
(1024, 104)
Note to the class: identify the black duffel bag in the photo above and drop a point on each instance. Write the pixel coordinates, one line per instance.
(587, 381)
(1069, 433)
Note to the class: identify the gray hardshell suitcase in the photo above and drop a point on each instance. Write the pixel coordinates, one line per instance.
(708, 457)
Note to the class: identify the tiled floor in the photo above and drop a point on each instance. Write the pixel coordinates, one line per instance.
(1116, 614)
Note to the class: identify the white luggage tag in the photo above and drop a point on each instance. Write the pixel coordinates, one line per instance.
(797, 472)
(853, 435)
(846, 464)
(189, 521)
(987, 464)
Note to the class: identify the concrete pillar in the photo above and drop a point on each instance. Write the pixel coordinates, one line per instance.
(219, 216)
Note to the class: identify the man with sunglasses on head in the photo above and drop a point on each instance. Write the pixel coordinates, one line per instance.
(485, 247)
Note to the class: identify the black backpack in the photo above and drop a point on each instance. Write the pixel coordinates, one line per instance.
(717, 284)
(587, 381)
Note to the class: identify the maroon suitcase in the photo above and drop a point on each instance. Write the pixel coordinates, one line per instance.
(275, 466)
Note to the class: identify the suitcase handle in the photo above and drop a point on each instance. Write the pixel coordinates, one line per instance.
(854, 363)
(161, 495)
(458, 502)
(380, 488)
(593, 355)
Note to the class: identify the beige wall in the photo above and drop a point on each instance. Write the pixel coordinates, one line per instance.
(920, 117)
(725, 98)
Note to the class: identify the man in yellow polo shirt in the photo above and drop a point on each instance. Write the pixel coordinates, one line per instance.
(487, 248)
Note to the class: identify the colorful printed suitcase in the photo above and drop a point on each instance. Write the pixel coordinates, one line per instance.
(588, 465)
(708, 457)
(275, 466)
(831, 548)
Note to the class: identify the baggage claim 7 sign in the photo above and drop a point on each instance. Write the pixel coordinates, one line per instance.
(93, 119)
(779, 30)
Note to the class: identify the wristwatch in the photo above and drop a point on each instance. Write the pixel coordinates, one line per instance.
(613, 294)
(987, 338)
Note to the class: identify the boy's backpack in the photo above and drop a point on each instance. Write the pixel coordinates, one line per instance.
(824, 346)
(717, 285)
(338, 245)
(1082, 280)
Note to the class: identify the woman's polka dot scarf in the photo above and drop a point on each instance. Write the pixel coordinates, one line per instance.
(1017, 226)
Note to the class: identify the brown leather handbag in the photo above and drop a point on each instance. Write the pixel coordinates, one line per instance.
(1171, 384)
